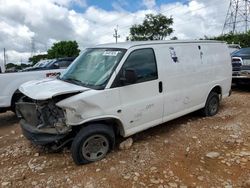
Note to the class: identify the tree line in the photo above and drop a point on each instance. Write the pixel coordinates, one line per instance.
(243, 39)
(58, 50)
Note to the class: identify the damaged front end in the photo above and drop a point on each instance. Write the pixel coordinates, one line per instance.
(42, 122)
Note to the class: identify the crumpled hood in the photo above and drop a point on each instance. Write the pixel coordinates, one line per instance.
(48, 88)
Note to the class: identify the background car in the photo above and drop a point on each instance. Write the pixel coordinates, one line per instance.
(61, 63)
(9, 93)
(241, 66)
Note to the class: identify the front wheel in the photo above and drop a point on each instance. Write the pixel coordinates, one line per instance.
(92, 143)
(18, 97)
(212, 105)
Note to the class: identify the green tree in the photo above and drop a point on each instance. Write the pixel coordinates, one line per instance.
(22, 65)
(154, 27)
(174, 38)
(239, 38)
(37, 58)
(10, 65)
(18, 67)
(63, 49)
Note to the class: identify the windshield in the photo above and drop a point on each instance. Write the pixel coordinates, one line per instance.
(93, 67)
(43, 63)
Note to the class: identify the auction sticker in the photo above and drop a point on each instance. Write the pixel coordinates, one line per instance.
(110, 53)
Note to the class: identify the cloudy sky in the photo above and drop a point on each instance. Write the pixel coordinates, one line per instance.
(92, 22)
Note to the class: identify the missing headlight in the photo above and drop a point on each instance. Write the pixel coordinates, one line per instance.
(41, 114)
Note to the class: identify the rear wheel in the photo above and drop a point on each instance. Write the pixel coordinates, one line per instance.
(92, 143)
(212, 105)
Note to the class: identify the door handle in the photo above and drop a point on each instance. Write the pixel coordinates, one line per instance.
(160, 87)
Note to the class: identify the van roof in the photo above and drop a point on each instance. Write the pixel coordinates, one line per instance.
(131, 44)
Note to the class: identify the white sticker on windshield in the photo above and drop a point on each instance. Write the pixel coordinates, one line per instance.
(110, 53)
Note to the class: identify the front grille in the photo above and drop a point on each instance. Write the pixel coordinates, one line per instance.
(41, 114)
(236, 66)
(236, 74)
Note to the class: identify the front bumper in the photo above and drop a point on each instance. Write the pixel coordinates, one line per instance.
(241, 77)
(41, 136)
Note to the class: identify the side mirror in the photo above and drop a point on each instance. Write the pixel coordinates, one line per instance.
(130, 76)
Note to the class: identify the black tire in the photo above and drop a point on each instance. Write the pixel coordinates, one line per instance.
(212, 104)
(16, 98)
(90, 136)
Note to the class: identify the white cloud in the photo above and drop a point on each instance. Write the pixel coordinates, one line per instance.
(15, 57)
(197, 18)
(15, 36)
(52, 20)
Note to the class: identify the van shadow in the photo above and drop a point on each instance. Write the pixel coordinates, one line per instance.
(8, 119)
(241, 88)
(164, 129)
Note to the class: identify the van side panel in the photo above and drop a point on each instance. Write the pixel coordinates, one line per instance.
(189, 80)
(217, 62)
(181, 77)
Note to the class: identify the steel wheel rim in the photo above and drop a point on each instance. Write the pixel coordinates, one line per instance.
(213, 106)
(95, 147)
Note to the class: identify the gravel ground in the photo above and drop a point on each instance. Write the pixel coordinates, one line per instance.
(191, 151)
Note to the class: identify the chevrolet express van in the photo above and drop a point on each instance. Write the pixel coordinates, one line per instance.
(122, 89)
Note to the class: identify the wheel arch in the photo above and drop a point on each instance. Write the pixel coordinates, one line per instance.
(110, 121)
(15, 97)
(217, 89)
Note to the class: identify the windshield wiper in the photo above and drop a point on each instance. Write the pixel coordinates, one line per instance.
(72, 80)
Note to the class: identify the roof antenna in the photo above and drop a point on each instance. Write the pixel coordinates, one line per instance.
(116, 34)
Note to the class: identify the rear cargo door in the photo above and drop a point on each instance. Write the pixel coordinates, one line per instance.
(181, 82)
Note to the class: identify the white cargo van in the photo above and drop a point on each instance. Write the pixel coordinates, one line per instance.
(121, 89)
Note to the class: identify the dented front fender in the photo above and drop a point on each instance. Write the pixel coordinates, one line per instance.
(94, 104)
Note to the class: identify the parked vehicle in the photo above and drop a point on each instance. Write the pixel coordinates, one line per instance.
(10, 82)
(122, 89)
(241, 66)
(48, 64)
(2, 68)
(233, 47)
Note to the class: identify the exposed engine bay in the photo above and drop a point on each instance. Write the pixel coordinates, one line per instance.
(42, 121)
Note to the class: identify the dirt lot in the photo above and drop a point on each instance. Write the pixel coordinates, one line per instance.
(188, 152)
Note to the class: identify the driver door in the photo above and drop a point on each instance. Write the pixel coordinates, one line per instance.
(142, 101)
